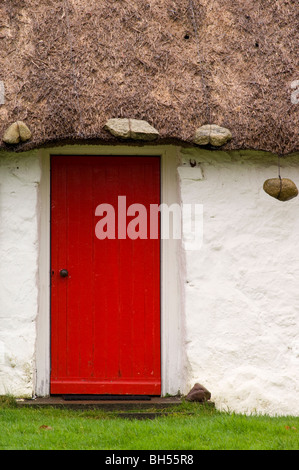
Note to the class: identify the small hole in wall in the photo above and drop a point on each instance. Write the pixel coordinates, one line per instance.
(257, 44)
(187, 36)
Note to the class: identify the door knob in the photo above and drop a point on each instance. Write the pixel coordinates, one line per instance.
(64, 273)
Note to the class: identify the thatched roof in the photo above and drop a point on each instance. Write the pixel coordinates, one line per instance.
(70, 65)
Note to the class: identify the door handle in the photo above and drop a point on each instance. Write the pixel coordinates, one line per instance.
(64, 273)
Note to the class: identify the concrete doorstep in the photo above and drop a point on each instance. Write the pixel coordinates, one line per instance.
(150, 408)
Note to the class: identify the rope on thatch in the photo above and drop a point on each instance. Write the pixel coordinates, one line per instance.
(2, 92)
(203, 79)
(16, 101)
(75, 84)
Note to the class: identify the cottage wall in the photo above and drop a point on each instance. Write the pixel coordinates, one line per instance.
(241, 288)
(239, 299)
(19, 180)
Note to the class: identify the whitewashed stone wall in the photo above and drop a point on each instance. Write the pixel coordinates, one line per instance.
(241, 288)
(19, 178)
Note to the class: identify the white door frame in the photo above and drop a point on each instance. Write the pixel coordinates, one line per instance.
(172, 356)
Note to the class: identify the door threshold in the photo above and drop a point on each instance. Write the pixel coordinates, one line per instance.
(74, 397)
(56, 401)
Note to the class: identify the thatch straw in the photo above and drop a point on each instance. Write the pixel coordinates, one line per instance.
(70, 65)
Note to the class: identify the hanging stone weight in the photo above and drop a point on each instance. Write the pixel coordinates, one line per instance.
(212, 134)
(131, 129)
(16, 133)
(282, 189)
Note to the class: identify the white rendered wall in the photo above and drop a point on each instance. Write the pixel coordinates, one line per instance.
(19, 178)
(240, 299)
(242, 287)
(24, 270)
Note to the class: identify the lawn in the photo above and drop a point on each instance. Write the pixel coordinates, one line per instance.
(191, 427)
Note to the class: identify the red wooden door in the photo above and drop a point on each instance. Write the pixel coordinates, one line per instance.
(105, 314)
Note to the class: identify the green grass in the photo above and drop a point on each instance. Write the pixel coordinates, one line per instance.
(205, 429)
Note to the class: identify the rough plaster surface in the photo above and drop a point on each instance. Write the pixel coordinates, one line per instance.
(240, 297)
(19, 177)
(241, 288)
